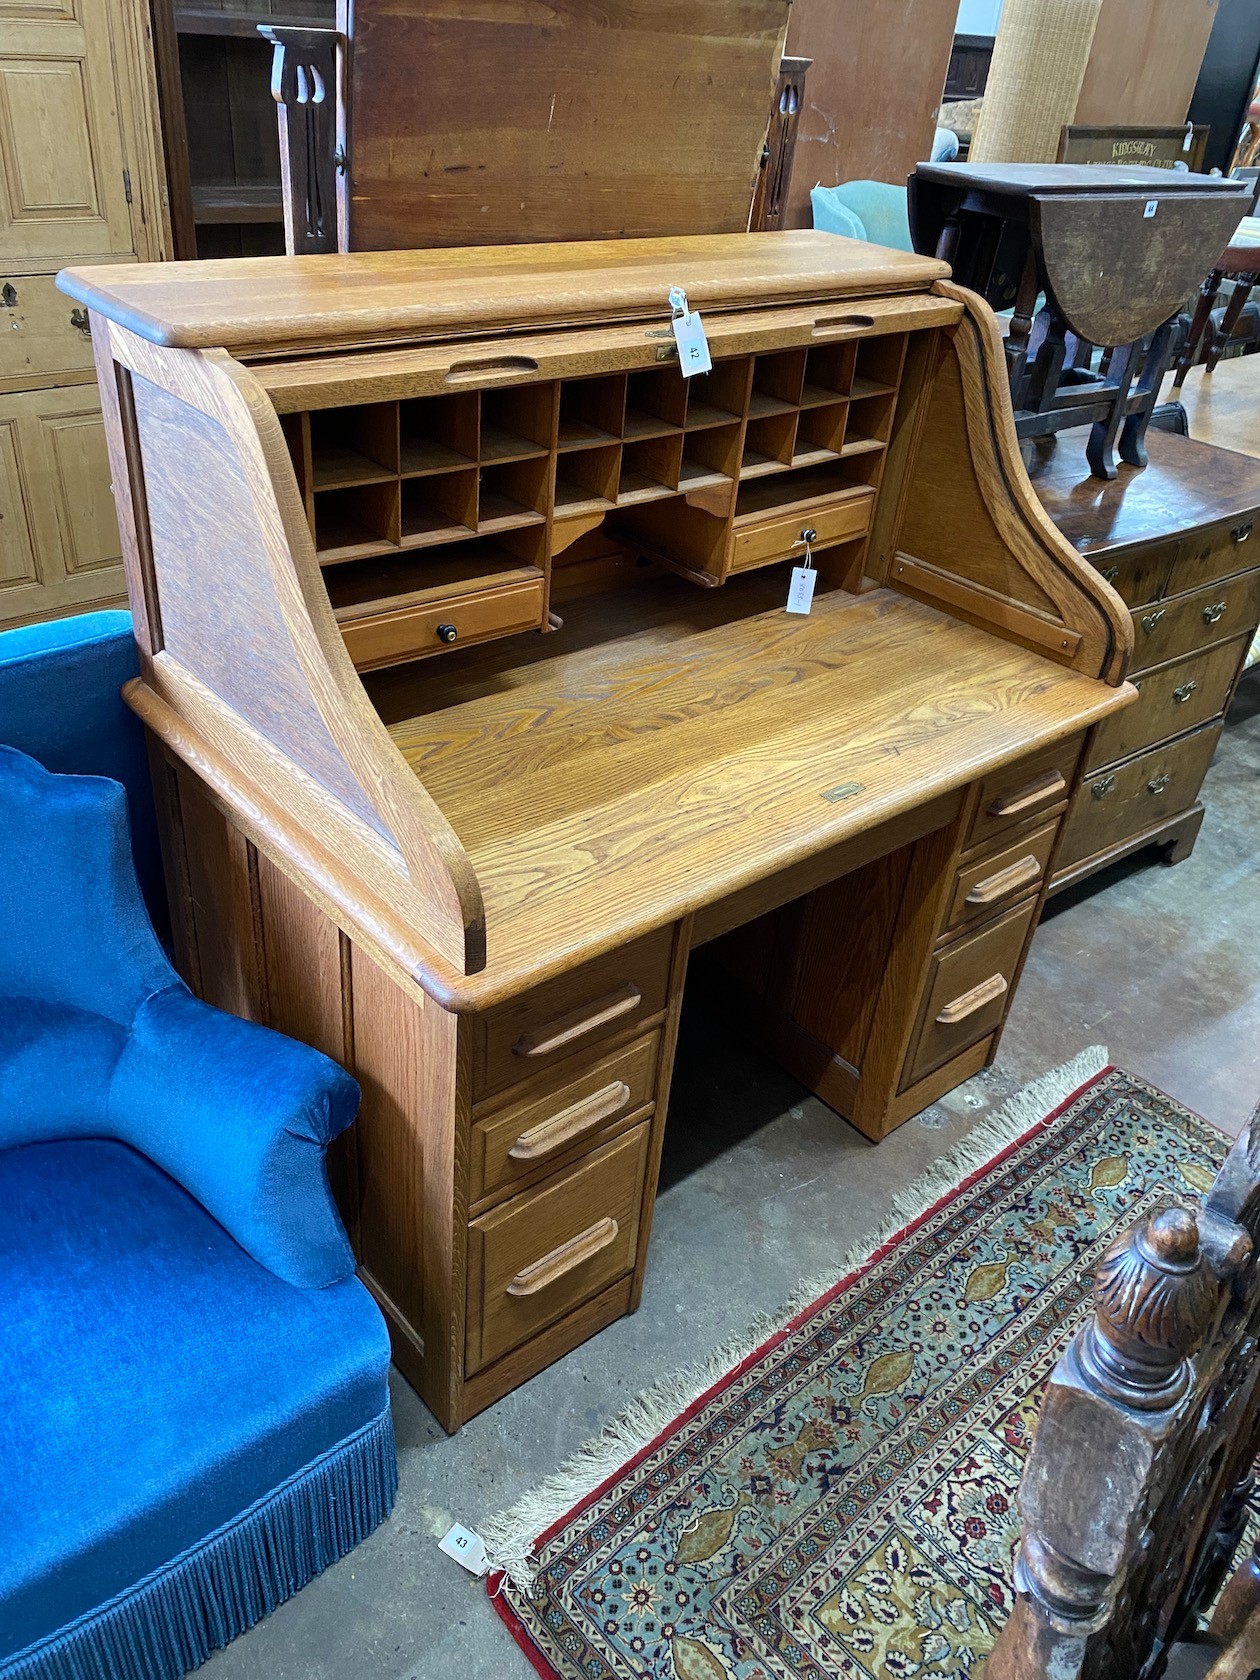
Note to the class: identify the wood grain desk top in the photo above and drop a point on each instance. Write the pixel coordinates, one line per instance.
(1186, 484)
(612, 783)
(273, 303)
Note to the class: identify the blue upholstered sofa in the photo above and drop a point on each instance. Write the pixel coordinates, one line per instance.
(194, 1418)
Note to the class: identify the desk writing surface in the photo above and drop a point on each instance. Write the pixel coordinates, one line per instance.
(657, 755)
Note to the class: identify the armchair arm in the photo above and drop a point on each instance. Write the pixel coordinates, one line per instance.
(241, 1117)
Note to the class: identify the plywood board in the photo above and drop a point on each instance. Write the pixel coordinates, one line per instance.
(1145, 61)
(872, 94)
(510, 124)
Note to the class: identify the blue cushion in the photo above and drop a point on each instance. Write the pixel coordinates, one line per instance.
(154, 1380)
(100, 1037)
(60, 702)
(833, 216)
(878, 206)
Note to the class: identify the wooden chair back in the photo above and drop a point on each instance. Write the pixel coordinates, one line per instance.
(1135, 1494)
(426, 125)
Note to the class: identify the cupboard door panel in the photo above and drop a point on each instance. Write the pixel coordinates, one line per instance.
(19, 549)
(61, 185)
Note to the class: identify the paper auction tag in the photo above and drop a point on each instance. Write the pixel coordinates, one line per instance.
(804, 577)
(466, 1548)
(693, 346)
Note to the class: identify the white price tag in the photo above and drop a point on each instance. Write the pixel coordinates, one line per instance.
(801, 593)
(1152, 205)
(804, 577)
(693, 346)
(466, 1548)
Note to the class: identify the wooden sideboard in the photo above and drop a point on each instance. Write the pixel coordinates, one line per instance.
(476, 709)
(1180, 542)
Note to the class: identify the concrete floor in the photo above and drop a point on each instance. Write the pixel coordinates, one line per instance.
(762, 1187)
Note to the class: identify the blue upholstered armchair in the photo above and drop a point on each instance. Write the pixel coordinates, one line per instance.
(194, 1417)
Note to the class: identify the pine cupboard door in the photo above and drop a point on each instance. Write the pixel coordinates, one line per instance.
(59, 545)
(62, 188)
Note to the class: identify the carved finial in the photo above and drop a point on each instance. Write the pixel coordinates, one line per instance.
(1154, 1295)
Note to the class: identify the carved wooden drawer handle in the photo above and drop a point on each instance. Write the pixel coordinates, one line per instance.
(1048, 786)
(552, 1267)
(1182, 694)
(587, 1018)
(1006, 881)
(970, 1001)
(552, 1134)
(1218, 609)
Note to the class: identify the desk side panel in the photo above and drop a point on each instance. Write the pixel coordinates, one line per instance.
(974, 540)
(234, 621)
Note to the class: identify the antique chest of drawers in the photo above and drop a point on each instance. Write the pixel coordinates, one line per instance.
(1180, 543)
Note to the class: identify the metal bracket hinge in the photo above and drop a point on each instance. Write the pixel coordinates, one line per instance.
(127, 184)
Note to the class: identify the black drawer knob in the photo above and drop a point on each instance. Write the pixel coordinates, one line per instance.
(447, 633)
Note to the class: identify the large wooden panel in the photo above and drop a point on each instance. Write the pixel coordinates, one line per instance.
(506, 124)
(61, 188)
(59, 543)
(873, 91)
(1144, 61)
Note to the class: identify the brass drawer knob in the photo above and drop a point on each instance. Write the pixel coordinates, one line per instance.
(1103, 786)
(1110, 574)
(1157, 784)
(1217, 610)
(1182, 694)
(1151, 621)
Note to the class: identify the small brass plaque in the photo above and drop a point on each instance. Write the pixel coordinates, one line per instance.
(846, 790)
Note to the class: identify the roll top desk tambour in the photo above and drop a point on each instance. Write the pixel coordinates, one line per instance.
(475, 711)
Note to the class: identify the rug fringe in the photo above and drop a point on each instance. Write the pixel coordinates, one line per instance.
(511, 1535)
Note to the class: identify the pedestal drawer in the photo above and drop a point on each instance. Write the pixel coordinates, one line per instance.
(1023, 791)
(552, 1021)
(1183, 623)
(991, 883)
(1172, 699)
(1114, 806)
(513, 1143)
(967, 991)
(545, 1252)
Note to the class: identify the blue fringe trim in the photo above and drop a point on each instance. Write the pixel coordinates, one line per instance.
(170, 1622)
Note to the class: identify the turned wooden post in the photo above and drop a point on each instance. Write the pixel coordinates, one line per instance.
(1113, 1401)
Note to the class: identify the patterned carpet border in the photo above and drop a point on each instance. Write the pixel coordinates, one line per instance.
(515, 1536)
(705, 1535)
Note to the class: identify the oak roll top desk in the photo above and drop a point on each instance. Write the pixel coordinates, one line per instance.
(475, 710)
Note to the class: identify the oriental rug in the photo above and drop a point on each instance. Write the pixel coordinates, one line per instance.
(841, 1502)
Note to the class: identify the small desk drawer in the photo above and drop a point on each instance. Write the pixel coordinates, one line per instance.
(551, 1021)
(968, 989)
(1142, 574)
(1216, 553)
(992, 883)
(1171, 700)
(767, 538)
(545, 1252)
(516, 1141)
(387, 638)
(1186, 622)
(1113, 806)
(1023, 791)
(38, 339)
